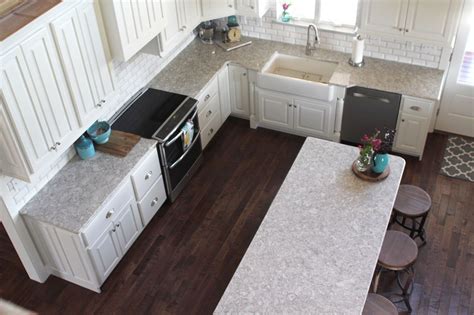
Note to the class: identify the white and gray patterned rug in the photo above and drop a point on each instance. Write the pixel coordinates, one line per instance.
(458, 160)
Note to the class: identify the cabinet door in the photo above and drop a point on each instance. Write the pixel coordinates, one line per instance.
(384, 16)
(275, 110)
(128, 225)
(411, 134)
(431, 20)
(83, 58)
(239, 91)
(23, 103)
(174, 32)
(313, 117)
(137, 23)
(223, 81)
(48, 80)
(247, 7)
(11, 157)
(189, 14)
(213, 9)
(106, 252)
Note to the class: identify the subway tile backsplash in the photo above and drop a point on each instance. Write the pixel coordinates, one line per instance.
(375, 46)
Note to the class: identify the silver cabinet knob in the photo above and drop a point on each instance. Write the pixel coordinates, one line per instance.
(109, 214)
(117, 225)
(209, 113)
(406, 30)
(289, 105)
(113, 230)
(244, 74)
(252, 7)
(207, 97)
(154, 202)
(148, 175)
(58, 143)
(415, 108)
(230, 5)
(210, 132)
(403, 120)
(98, 105)
(400, 29)
(295, 106)
(52, 148)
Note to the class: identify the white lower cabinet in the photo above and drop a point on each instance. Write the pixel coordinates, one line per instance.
(239, 91)
(275, 110)
(89, 256)
(314, 118)
(303, 116)
(413, 125)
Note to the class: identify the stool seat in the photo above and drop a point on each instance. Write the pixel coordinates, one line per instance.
(398, 251)
(376, 304)
(412, 201)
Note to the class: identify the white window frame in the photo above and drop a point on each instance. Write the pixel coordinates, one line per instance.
(324, 24)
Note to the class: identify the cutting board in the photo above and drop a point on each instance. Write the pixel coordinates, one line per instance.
(120, 143)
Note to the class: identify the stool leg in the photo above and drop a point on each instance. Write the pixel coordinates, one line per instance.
(406, 287)
(393, 219)
(377, 280)
(413, 228)
(422, 229)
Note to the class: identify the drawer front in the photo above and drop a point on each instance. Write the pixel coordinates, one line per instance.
(108, 213)
(416, 106)
(212, 109)
(146, 174)
(210, 130)
(152, 201)
(205, 96)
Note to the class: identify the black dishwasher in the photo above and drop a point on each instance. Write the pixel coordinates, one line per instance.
(366, 110)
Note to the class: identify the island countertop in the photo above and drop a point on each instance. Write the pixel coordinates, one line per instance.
(317, 247)
(190, 71)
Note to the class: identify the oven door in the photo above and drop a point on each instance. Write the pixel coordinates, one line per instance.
(178, 158)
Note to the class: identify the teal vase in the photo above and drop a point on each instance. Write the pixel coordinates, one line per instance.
(285, 17)
(380, 162)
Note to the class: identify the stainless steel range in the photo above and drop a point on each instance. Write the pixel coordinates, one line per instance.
(172, 120)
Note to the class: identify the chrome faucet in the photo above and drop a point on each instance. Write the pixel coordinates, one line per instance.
(311, 47)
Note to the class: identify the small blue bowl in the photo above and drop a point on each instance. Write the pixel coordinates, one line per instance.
(99, 132)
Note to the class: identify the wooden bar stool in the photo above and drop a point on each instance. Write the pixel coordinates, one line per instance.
(376, 304)
(398, 254)
(412, 203)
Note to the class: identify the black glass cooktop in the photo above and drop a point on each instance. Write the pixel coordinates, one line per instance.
(148, 113)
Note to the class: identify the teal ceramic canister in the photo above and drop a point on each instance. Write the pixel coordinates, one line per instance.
(380, 162)
(85, 148)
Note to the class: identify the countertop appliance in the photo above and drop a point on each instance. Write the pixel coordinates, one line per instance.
(366, 110)
(206, 32)
(165, 117)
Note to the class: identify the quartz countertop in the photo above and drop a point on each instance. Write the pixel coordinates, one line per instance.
(72, 197)
(318, 245)
(190, 71)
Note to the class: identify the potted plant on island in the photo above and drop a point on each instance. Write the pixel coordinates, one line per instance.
(381, 158)
(370, 144)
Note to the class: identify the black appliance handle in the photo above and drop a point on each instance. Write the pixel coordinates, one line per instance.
(380, 99)
(167, 144)
(185, 153)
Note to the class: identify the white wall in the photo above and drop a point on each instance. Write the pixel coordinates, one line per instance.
(376, 46)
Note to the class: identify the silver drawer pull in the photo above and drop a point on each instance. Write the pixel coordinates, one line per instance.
(109, 214)
(154, 202)
(117, 225)
(415, 108)
(209, 113)
(210, 132)
(113, 230)
(207, 97)
(148, 175)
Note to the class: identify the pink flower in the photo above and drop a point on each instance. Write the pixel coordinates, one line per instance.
(286, 6)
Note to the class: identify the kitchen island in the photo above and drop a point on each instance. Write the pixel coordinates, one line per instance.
(317, 247)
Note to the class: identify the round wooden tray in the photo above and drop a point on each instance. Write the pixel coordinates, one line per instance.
(369, 175)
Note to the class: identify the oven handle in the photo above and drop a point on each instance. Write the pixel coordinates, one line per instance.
(185, 153)
(167, 144)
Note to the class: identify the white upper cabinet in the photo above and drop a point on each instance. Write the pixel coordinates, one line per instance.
(387, 16)
(433, 20)
(131, 24)
(415, 19)
(83, 57)
(214, 9)
(253, 8)
(37, 99)
(182, 17)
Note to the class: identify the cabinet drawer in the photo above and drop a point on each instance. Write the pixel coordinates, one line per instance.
(416, 106)
(212, 109)
(152, 201)
(146, 174)
(209, 92)
(210, 130)
(108, 213)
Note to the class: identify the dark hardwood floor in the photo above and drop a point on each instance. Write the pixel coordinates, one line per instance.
(183, 261)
